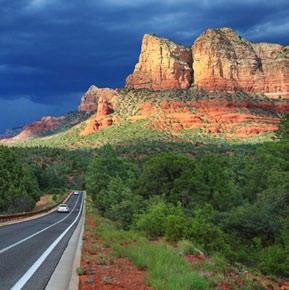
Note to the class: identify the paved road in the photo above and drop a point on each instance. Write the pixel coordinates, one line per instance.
(30, 251)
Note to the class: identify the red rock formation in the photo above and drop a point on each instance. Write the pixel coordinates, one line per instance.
(97, 123)
(225, 61)
(275, 66)
(220, 60)
(216, 116)
(90, 100)
(162, 65)
(104, 108)
(104, 103)
(44, 125)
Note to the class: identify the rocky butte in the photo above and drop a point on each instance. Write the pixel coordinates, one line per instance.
(219, 60)
(163, 65)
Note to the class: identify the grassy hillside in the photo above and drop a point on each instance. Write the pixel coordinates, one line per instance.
(131, 133)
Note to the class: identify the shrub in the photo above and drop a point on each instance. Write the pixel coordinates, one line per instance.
(152, 221)
(204, 233)
(274, 260)
(80, 271)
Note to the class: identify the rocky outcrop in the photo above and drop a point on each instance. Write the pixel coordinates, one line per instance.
(36, 128)
(220, 60)
(90, 100)
(219, 116)
(96, 123)
(163, 65)
(275, 67)
(225, 61)
(102, 101)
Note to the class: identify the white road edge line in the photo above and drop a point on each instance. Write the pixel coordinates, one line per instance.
(24, 279)
(37, 233)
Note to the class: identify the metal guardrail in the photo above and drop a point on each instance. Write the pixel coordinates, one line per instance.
(19, 216)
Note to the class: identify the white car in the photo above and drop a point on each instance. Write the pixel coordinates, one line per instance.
(63, 208)
(76, 192)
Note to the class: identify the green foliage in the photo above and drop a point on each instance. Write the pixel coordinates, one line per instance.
(235, 205)
(202, 231)
(107, 180)
(274, 260)
(118, 202)
(18, 186)
(105, 165)
(153, 220)
(192, 182)
(283, 130)
(160, 173)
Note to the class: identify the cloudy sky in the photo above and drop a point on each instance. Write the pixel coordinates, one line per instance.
(53, 50)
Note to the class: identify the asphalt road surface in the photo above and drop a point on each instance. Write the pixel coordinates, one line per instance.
(30, 250)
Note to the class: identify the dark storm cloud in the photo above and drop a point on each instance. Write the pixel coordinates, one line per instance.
(52, 50)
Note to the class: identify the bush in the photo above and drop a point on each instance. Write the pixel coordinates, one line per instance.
(119, 203)
(162, 219)
(274, 260)
(152, 221)
(204, 233)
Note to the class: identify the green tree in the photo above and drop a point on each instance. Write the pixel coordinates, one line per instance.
(105, 166)
(283, 130)
(18, 186)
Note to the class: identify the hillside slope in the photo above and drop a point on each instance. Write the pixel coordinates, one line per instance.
(141, 118)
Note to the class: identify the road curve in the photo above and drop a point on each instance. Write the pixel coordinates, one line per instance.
(30, 250)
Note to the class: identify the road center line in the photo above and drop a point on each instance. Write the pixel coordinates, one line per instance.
(24, 279)
(37, 233)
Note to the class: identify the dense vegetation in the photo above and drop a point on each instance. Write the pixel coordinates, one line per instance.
(28, 173)
(234, 204)
(18, 185)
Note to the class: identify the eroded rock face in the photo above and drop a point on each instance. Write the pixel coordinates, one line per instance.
(97, 123)
(275, 65)
(90, 100)
(39, 127)
(225, 61)
(162, 65)
(102, 101)
(219, 60)
(216, 116)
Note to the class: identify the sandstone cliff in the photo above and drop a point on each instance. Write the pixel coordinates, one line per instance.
(90, 100)
(225, 61)
(162, 65)
(220, 60)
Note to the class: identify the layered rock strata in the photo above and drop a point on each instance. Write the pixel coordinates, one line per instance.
(163, 65)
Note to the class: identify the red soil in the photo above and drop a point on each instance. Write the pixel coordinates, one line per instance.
(118, 274)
